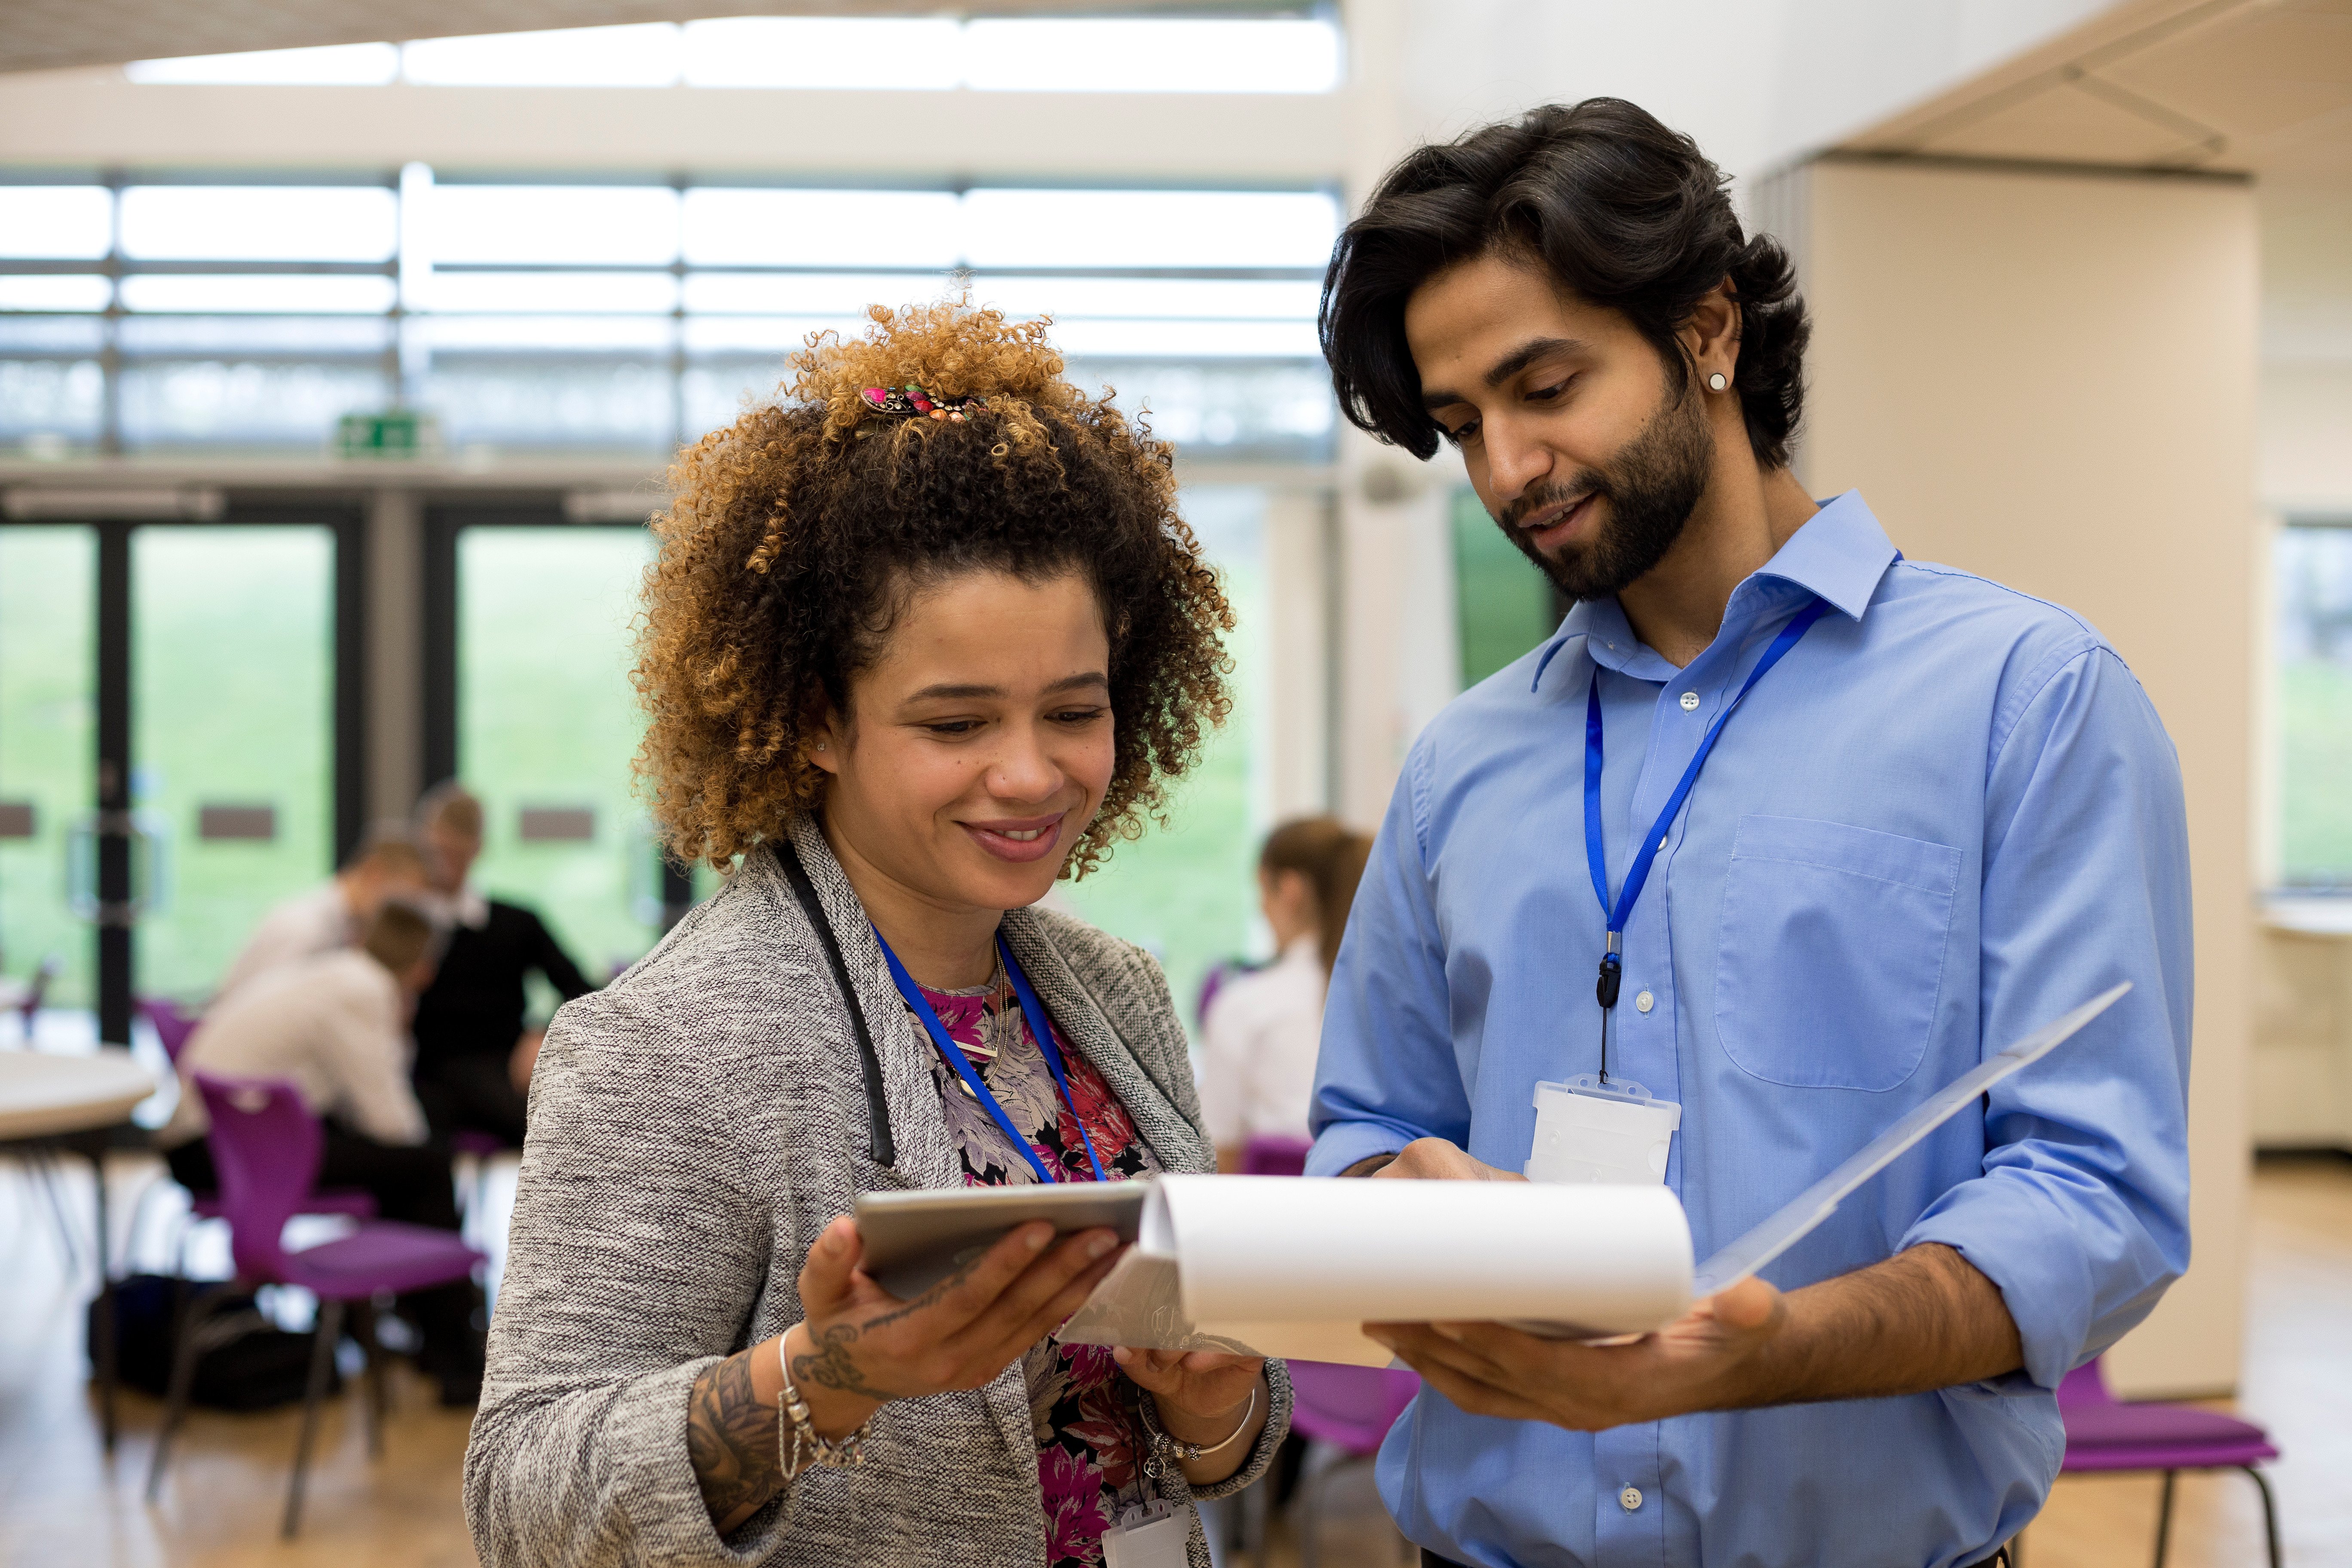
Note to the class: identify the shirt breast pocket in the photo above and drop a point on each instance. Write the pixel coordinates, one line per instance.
(1830, 959)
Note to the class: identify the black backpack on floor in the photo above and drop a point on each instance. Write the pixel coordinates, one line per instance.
(246, 1363)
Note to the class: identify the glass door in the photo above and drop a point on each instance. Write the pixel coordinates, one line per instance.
(232, 742)
(546, 726)
(1187, 892)
(48, 760)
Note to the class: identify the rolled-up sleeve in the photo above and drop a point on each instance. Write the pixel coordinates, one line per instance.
(1387, 1073)
(2081, 1214)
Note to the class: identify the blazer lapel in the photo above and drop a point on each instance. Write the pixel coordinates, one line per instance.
(1081, 1019)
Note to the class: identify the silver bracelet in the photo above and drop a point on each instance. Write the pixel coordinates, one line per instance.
(797, 1443)
(1188, 1453)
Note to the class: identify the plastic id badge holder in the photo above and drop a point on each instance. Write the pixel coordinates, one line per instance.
(1148, 1538)
(1611, 1134)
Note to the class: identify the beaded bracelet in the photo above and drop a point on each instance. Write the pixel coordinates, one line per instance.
(1188, 1453)
(797, 1443)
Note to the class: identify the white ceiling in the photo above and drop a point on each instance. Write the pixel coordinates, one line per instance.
(2255, 85)
(41, 34)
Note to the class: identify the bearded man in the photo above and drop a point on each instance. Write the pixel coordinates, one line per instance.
(1828, 827)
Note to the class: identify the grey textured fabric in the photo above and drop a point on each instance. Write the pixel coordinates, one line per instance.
(693, 1127)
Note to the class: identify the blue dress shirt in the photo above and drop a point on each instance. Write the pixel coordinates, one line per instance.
(1949, 816)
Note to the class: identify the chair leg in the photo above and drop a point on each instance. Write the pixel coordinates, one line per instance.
(2270, 1514)
(2163, 1518)
(364, 1322)
(329, 1328)
(186, 1334)
(1308, 1508)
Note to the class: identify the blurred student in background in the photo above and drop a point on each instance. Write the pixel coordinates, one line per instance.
(337, 912)
(1257, 1056)
(335, 1024)
(474, 1055)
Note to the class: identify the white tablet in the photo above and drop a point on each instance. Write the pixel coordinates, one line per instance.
(914, 1240)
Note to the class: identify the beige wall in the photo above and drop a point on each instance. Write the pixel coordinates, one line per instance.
(2050, 379)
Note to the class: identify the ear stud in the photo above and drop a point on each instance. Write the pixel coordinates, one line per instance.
(1718, 382)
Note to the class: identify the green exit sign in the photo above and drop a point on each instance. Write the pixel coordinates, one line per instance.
(395, 433)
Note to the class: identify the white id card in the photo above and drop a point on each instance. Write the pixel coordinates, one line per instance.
(1613, 1134)
(1148, 1538)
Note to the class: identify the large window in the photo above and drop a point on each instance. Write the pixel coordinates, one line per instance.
(1187, 892)
(1296, 53)
(547, 725)
(619, 316)
(2315, 657)
(49, 750)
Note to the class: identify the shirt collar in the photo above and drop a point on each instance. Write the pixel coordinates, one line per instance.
(1839, 553)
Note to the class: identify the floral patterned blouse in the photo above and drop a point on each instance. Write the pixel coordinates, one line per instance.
(1090, 1440)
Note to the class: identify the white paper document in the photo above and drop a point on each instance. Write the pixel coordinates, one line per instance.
(1292, 1266)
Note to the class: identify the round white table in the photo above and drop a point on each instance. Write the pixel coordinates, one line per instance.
(43, 1094)
(76, 1104)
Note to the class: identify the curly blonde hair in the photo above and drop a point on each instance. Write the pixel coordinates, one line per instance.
(797, 535)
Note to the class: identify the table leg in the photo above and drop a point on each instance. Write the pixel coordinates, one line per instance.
(107, 1370)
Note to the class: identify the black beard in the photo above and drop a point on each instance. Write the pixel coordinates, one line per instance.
(1652, 486)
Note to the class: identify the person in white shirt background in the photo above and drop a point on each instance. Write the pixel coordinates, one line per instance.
(335, 1024)
(1261, 1029)
(335, 913)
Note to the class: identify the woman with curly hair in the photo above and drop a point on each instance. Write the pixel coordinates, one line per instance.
(919, 640)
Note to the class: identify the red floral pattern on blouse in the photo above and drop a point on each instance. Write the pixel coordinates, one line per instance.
(1091, 1441)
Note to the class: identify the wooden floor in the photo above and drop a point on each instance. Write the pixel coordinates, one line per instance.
(62, 1503)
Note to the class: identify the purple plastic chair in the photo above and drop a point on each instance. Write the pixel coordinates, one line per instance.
(2104, 1434)
(266, 1147)
(172, 1024)
(1271, 1154)
(1351, 1408)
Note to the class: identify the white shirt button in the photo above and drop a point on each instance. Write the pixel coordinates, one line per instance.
(1690, 701)
(1629, 1498)
(1646, 1001)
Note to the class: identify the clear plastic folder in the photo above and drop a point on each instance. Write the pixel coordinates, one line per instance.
(1789, 1225)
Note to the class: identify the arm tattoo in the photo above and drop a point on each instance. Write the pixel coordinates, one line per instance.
(730, 1439)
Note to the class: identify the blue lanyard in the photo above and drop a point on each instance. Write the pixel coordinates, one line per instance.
(1597, 856)
(1040, 1026)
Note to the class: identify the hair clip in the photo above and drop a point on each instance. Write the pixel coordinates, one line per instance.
(911, 400)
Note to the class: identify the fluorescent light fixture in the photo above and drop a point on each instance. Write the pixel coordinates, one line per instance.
(611, 334)
(1059, 228)
(63, 291)
(640, 54)
(765, 335)
(1095, 338)
(629, 225)
(837, 295)
(66, 222)
(1070, 299)
(1150, 54)
(552, 293)
(732, 227)
(269, 295)
(912, 54)
(258, 223)
(335, 64)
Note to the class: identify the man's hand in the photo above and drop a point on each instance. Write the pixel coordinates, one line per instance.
(1694, 1364)
(1925, 1318)
(1431, 1160)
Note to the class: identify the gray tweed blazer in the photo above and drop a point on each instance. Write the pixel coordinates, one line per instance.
(693, 1127)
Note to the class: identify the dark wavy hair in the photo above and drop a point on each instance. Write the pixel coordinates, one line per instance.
(797, 535)
(1623, 211)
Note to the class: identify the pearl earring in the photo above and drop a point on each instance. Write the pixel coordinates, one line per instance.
(1718, 382)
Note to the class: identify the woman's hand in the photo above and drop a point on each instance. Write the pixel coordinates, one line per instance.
(860, 1345)
(1203, 1397)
